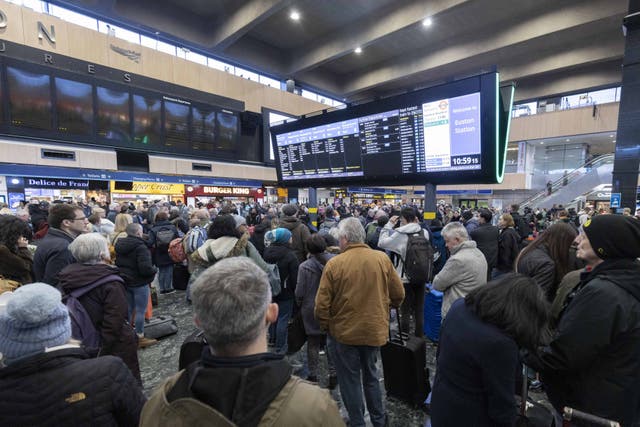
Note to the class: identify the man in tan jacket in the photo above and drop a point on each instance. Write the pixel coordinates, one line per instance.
(237, 382)
(352, 305)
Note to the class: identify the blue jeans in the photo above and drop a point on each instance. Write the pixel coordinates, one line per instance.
(356, 370)
(165, 277)
(137, 299)
(281, 327)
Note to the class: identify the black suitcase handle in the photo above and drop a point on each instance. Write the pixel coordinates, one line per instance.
(401, 337)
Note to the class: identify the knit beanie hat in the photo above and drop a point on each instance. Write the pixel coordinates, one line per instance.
(289, 210)
(613, 236)
(34, 318)
(279, 235)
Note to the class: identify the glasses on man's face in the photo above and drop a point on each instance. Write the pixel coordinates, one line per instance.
(79, 219)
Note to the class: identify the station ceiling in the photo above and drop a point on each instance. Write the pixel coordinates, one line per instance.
(546, 47)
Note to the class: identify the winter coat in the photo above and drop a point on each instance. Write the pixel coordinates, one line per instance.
(16, 266)
(539, 265)
(214, 250)
(465, 270)
(593, 362)
(476, 373)
(309, 274)
(353, 298)
(396, 241)
(107, 307)
(134, 261)
(299, 235)
(51, 256)
(256, 390)
(486, 238)
(161, 256)
(64, 387)
(471, 225)
(508, 249)
(257, 238)
(284, 256)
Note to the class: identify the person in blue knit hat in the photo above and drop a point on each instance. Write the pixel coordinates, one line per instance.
(281, 253)
(48, 379)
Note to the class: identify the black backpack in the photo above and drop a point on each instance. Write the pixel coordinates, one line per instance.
(418, 260)
(164, 236)
(373, 238)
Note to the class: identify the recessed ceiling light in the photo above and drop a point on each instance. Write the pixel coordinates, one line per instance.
(567, 140)
(541, 142)
(614, 140)
(426, 22)
(295, 15)
(358, 50)
(610, 136)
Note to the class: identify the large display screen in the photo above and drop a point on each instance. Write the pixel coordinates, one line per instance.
(113, 114)
(74, 106)
(442, 134)
(203, 129)
(176, 123)
(147, 120)
(29, 99)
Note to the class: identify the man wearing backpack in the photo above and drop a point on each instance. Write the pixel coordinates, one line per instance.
(160, 236)
(237, 381)
(410, 238)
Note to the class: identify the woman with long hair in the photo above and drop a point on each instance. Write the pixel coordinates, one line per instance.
(478, 355)
(119, 231)
(508, 248)
(16, 261)
(546, 260)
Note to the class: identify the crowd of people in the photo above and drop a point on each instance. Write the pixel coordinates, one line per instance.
(554, 289)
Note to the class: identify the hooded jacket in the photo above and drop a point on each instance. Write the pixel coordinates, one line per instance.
(256, 390)
(309, 274)
(283, 255)
(593, 362)
(134, 261)
(396, 241)
(51, 256)
(465, 270)
(64, 387)
(107, 307)
(299, 234)
(214, 250)
(257, 238)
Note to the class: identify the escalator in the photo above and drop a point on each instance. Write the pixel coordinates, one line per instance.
(578, 182)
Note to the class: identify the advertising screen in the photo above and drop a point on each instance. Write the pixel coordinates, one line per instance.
(29, 99)
(442, 134)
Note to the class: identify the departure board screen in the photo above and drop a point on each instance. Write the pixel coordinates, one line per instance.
(113, 114)
(176, 123)
(29, 99)
(408, 137)
(74, 107)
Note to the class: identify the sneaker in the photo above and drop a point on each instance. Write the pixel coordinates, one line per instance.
(144, 342)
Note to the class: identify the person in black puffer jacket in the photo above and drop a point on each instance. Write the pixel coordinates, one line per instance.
(47, 379)
(162, 233)
(257, 238)
(280, 252)
(134, 261)
(105, 304)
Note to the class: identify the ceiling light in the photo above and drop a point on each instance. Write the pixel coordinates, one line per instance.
(427, 22)
(610, 136)
(295, 15)
(567, 140)
(541, 142)
(358, 50)
(614, 140)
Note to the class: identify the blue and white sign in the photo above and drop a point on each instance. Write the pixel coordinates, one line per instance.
(616, 200)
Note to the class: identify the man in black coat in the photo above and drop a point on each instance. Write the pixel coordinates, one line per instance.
(66, 222)
(162, 233)
(593, 362)
(486, 237)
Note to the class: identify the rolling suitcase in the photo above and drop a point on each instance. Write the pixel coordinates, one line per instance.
(583, 418)
(191, 349)
(404, 364)
(433, 314)
(180, 277)
(160, 327)
(532, 414)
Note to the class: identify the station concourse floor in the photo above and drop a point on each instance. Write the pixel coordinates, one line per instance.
(161, 361)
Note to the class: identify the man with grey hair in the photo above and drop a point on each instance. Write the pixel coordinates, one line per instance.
(465, 269)
(352, 305)
(237, 381)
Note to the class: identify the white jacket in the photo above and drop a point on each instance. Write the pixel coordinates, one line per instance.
(396, 241)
